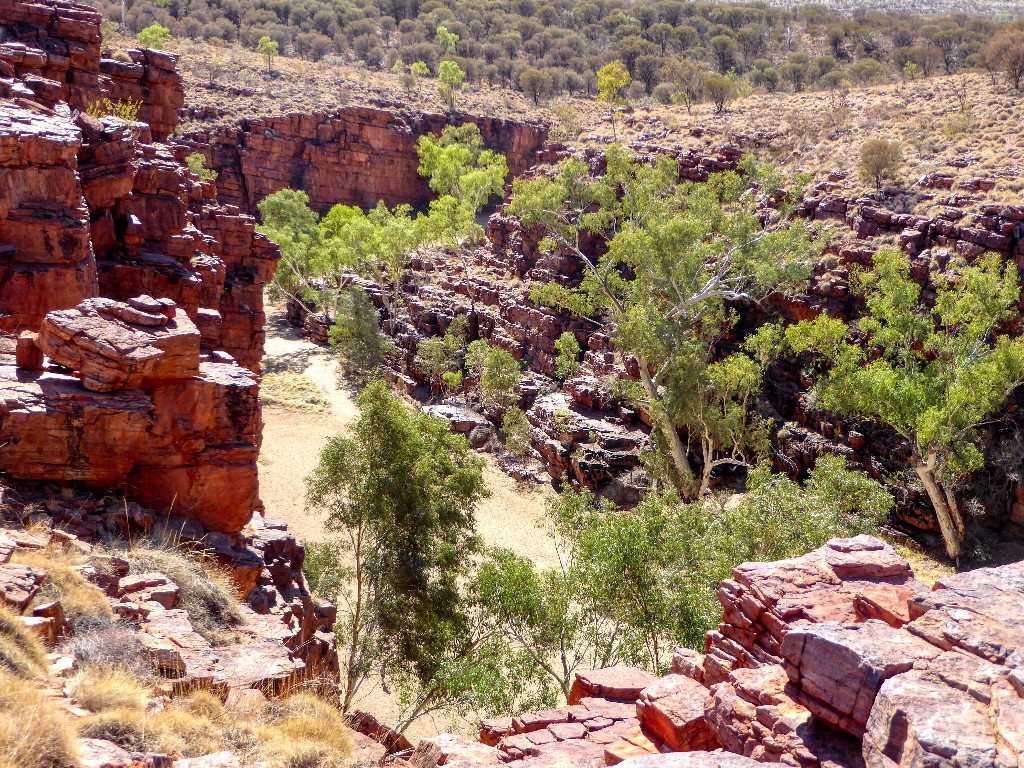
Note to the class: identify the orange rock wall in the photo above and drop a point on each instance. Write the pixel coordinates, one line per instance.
(354, 156)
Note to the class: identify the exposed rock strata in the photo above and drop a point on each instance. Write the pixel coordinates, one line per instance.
(119, 265)
(939, 687)
(354, 156)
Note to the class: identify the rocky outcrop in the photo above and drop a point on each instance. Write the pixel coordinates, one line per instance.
(51, 53)
(142, 408)
(838, 658)
(353, 156)
(145, 293)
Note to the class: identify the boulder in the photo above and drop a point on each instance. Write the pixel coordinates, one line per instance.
(838, 668)
(673, 709)
(115, 346)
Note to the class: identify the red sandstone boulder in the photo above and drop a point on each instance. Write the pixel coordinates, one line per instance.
(673, 709)
(115, 346)
(838, 668)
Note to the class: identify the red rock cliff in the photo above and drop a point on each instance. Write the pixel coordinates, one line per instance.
(147, 295)
(354, 156)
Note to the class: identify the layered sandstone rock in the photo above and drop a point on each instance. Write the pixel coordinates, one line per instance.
(354, 156)
(145, 410)
(818, 677)
(46, 259)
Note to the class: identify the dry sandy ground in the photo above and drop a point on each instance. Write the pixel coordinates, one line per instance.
(512, 516)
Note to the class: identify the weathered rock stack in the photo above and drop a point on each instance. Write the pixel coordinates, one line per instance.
(146, 294)
(839, 658)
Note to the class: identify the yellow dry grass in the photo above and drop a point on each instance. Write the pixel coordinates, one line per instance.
(33, 732)
(293, 392)
(83, 603)
(21, 651)
(298, 732)
(101, 689)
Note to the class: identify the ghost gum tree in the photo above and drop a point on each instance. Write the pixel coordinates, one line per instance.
(677, 257)
(933, 372)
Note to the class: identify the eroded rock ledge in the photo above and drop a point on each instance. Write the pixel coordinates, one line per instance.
(839, 658)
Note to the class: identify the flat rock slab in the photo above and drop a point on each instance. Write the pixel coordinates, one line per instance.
(612, 683)
(115, 346)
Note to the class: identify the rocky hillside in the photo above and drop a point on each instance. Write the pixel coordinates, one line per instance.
(839, 658)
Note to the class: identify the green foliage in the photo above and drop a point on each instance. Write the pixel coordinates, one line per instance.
(420, 69)
(568, 360)
(497, 372)
(516, 427)
(630, 585)
(196, 163)
(933, 372)
(125, 110)
(154, 36)
(465, 175)
(403, 490)
(325, 574)
(441, 356)
(720, 90)
(612, 80)
(678, 255)
(357, 336)
(880, 159)
(447, 40)
(268, 49)
(449, 80)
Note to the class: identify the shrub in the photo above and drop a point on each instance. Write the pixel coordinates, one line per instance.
(568, 360)
(154, 36)
(196, 163)
(111, 646)
(34, 733)
(721, 90)
(125, 110)
(880, 159)
(205, 590)
(516, 427)
(357, 336)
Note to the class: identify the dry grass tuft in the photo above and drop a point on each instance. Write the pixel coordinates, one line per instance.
(206, 592)
(101, 689)
(293, 392)
(33, 733)
(128, 728)
(309, 733)
(84, 604)
(21, 651)
(115, 646)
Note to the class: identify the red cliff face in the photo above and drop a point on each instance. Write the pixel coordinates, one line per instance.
(145, 293)
(355, 156)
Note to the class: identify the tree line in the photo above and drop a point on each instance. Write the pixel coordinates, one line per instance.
(550, 48)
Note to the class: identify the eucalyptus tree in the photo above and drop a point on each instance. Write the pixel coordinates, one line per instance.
(933, 372)
(674, 260)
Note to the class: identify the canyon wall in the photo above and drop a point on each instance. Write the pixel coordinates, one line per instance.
(118, 264)
(585, 435)
(353, 156)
